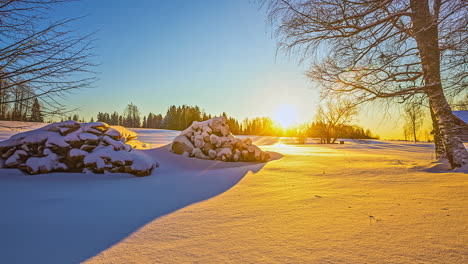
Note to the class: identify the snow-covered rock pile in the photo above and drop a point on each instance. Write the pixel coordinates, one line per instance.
(212, 139)
(76, 147)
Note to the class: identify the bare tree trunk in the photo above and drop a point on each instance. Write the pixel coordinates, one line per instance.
(426, 35)
(439, 145)
(454, 149)
(328, 137)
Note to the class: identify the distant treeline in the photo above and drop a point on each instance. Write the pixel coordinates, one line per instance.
(181, 117)
(19, 104)
(316, 130)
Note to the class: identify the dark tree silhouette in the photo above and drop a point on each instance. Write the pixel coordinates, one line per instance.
(154, 121)
(181, 117)
(40, 57)
(131, 116)
(36, 114)
(332, 117)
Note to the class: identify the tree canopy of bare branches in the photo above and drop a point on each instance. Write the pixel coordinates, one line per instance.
(382, 49)
(413, 119)
(461, 104)
(39, 55)
(332, 117)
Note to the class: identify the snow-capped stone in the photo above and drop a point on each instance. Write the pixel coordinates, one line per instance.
(113, 133)
(16, 158)
(117, 144)
(199, 142)
(182, 144)
(8, 153)
(88, 137)
(212, 153)
(224, 154)
(197, 153)
(76, 147)
(78, 153)
(245, 154)
(48, 163)
(207, 147)
(211, 139)
(214, 139)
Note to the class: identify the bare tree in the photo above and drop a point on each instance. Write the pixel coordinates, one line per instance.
(390, 49)
(413, 119)
(46, 59)
(131, 116)
(406, 132)
(461, 103)
(332, 117)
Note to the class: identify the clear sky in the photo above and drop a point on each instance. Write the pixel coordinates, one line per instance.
(217, 54)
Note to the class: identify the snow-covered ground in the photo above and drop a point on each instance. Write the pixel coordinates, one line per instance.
(378, 201)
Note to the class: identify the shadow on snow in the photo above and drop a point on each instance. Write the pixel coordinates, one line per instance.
(68, 218)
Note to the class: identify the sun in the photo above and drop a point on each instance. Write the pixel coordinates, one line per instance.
(285, 115)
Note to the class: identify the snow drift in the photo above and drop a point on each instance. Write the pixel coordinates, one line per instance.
(212, 139)
(76, 147)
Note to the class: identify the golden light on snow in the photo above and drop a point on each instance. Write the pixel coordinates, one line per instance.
(285, 115)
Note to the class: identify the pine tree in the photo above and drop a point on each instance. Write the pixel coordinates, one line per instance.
(100, 117)
(36, 114)
(157, 121)
(114, 119)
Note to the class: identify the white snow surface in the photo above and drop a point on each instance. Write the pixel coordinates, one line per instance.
(361, 202)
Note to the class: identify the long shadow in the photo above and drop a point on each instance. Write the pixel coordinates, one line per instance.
(438, 167)
(68, 218)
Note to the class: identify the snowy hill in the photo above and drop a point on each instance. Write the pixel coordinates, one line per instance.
(380, 201)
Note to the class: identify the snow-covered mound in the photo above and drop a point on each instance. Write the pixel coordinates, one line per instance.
(76, 147)
(212, 139)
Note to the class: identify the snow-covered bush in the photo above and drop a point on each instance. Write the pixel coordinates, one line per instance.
(212, 139)
(76, 147)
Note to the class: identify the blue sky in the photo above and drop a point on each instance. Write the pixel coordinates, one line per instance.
(217, 54)
(220, 55)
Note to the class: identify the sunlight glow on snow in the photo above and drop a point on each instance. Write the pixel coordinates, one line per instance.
(285, 115)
